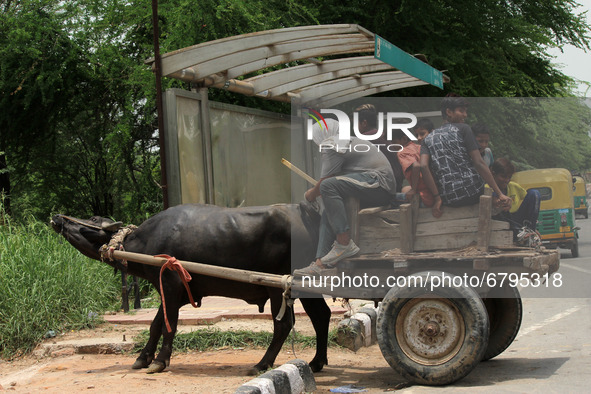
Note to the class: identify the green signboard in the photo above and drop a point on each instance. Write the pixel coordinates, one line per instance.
(396, 57)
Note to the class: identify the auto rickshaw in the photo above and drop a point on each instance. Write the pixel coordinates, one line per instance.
(556, 221)
(580, 197)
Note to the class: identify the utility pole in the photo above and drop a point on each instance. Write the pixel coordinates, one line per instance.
(158, 74)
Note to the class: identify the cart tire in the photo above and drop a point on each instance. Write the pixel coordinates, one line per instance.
(587, 213)
(504, 316)
(432, 337)
(574, 250)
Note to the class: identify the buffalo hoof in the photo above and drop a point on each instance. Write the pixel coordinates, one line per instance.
(156, 366)
(256, 370)
(140, 363)
(317, 365)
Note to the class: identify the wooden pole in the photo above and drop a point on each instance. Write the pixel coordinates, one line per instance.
(414, 205)
(258, 278)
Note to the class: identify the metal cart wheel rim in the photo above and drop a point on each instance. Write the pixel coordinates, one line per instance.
(430, 331)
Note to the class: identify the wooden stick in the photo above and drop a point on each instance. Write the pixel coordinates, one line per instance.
(258, 278)
(299, 172)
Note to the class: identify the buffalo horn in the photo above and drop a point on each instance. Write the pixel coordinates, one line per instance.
(115, 226)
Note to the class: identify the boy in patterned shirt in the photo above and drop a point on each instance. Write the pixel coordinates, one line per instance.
(451, 154)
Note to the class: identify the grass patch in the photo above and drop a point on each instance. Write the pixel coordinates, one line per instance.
(47, 285)
(211, 338)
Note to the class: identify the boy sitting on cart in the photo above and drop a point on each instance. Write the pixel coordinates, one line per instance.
(523, 212)
(409, 158)
(452, 155)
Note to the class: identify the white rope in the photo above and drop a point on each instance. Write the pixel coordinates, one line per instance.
(116, 243)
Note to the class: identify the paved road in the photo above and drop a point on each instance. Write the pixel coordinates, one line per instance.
(552, 352)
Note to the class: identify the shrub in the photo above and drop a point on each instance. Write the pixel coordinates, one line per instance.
(47, 285)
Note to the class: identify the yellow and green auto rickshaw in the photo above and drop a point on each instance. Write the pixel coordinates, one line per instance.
(556, 221)
(580, 197)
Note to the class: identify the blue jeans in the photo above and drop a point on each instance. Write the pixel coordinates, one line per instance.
(334, 190)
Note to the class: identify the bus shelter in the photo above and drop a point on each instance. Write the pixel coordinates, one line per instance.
(231, 156)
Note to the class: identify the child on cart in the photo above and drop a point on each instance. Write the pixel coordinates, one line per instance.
(409, 158)
(482, 135)
(422, 129)
(523, 212)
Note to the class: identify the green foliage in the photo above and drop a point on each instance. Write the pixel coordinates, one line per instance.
(537, 132)
(46, 284)
(489, 48)
(35, 53)
(83, 140)
(213, 338)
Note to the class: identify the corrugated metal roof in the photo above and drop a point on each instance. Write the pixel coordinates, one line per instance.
(283, 65)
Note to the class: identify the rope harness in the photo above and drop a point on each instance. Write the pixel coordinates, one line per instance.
(287, 301)
(116, 243)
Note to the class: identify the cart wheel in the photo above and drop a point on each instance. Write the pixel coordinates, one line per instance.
(504, 316)
(432, 337)
(574, 250)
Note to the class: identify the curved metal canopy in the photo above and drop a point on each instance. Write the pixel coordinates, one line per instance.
(283, 65)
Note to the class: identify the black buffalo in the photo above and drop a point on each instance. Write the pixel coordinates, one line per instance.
(265, 239)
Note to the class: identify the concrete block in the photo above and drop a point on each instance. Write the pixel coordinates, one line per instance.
(373, 315)
(350, 334)
(358, 330)
(293, 377)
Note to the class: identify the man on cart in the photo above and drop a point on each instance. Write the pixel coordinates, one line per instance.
(350, 168)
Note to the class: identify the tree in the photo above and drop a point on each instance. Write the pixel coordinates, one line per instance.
(77, 121)
(489, 48)
(91, 132)
(39, 70)
(78, 118)
(537, 132)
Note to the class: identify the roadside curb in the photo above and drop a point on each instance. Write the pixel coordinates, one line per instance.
(359, 330)
(293, 377)
(84, 346)
(213, 310)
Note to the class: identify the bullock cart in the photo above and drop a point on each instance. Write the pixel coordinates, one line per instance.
(448, 287)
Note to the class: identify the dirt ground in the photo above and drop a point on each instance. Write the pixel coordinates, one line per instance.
(215, 371)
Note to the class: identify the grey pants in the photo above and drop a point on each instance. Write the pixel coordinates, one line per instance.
(363, 186)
